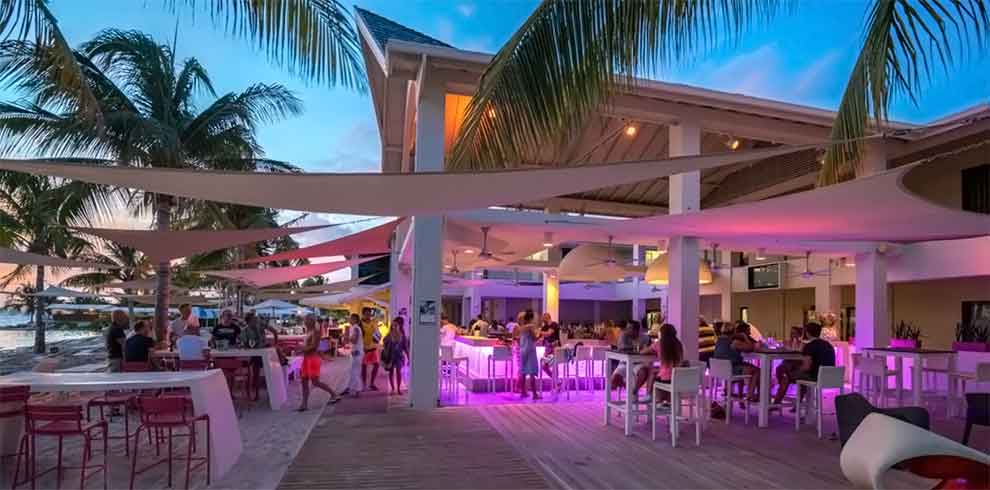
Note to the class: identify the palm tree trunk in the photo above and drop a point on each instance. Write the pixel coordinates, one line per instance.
(163, 221)
(39, 312)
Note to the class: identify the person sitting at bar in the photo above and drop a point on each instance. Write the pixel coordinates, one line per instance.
(138, 346)
(191, 346)
(448, 331)
(228, 329)
(706, 340)
(670, 352)
(816, 353)
(116, 334)
(730, 345)
(633, 338)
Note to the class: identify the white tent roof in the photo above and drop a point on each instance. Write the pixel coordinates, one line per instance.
(80, 307)
(57, 292)
(11, 256)
(359, 292)
(273, 304)
(396, 194)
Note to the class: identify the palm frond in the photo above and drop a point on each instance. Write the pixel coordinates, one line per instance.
(569, 57)
(315, 39)
(904, 41)
(23, 19)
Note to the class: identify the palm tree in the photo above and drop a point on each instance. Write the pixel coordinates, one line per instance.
(569, 57)
(35, 211)
(315, 39)
(22, 300)
(147, 104)
(131, 265)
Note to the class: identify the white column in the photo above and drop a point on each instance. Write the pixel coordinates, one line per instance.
(473, 303)
(685, 197)
(465, 310)
(427, 251)
(596, 310)
(551, 295)
(872, 315)
(400, 279)
(726, 290)
(638, 301)
(828, 299)
(535, 304)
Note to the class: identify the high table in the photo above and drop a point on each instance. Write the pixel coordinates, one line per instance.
(766, 358)
(917, 357)
(208, 390)
(629, 407)
(274, 376)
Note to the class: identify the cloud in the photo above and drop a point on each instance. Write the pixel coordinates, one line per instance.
(482, 44)
(466, 9)
(444, 30)
(358, 149)
(813, 75)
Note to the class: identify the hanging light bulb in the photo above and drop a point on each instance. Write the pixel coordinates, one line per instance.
(733, 143)
(630, 130)
(761, 254)
(548, 239)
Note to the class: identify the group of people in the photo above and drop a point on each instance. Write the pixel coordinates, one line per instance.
(370, 349)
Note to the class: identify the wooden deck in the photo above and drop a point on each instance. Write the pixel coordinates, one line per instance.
(563, 445)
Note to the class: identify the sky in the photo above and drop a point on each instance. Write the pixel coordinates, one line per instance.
(803, 56)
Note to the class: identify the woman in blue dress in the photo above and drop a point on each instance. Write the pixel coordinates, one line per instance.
(528, 363)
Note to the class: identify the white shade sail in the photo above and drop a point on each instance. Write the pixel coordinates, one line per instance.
(331, 287)
(386, 194)
(57, 292)
(147, 284)
(11, 256)
(176, 300)
(588, 263)
(371, 241)
(359, 292)
(163, 246)
(260, 278)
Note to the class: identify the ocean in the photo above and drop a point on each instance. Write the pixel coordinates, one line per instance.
(12, 339)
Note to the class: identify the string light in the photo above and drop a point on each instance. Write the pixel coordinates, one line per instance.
(630, 130)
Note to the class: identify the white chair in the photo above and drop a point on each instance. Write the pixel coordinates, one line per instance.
(501, 354)
(721, 378)
(958, 380)
(829, 377)
(585, 357)
(598, 359)
(684, 386)
(450, 371)
(873, 374)
(854, 359)
(881, 442)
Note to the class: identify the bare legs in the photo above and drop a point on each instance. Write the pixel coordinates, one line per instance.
(374, 376)
(522, 385)
(317, 382)
(754, 380)
(395, 380)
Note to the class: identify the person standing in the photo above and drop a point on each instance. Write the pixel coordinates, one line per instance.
(115, 338)
(356, 338)
(371, 358)
(312, 365)
(178, 326)
(138, 346)
(191, 346)
(394, 353)
(228, 329)
(528, 362)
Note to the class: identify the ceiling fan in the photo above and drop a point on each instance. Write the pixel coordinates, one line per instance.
(452, 269)
(610, 261)
(711, 256)
(807, 273)
(486, 254)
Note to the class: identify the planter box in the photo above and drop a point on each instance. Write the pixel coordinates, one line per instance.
(971, 346)
(905, 343)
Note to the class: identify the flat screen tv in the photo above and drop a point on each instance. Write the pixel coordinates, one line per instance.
(764, 276)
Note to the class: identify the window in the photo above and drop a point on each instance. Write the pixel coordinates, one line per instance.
(976, 189)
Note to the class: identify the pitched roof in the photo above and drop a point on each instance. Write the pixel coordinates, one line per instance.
(383, 29)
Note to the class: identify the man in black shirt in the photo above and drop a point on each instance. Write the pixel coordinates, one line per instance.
(816, 353)
(116, 334)
(228, 329)
(138, 347)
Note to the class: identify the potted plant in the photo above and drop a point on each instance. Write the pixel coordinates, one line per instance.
(905, 335)
(972, 336)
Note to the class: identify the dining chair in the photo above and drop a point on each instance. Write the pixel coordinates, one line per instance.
(684, 386)
(829, 377)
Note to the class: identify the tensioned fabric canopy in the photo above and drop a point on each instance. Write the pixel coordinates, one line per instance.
(260, 278)
(57, 292)
(321, 288)
(878, 208)
(148, 284)
(386, 194)
(150, 299)
(162, 246)
(359, 292)
(272, 304)
(371, 241)
(11, 256)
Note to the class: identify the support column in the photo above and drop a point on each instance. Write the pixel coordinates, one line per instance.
(596, 312)
(828, 299)
(551, 295)
(685, 197)
(427, 250)
(473, 304)
(872, 315)
(400, 279)
(725, 311)
(638, 301)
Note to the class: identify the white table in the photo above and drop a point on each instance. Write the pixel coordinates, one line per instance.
(917, 357)
(208, 390)
(628, 408)
(274, 375)
(766, 359)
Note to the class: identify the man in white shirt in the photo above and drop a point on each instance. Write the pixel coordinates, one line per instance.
(191, 346)
(448, 331)
(186, 318)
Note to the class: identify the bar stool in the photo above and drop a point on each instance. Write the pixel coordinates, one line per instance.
(829, 377)
(236, 373)
(60, 421)
(598, 359)
(721, 376)
(586, 355)
(13, 400)
(164, 415)
(959, 379)
(873, 374)
(560, 360)
(503, 354)
(684, 386)
(114, 400)
(450, 371)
